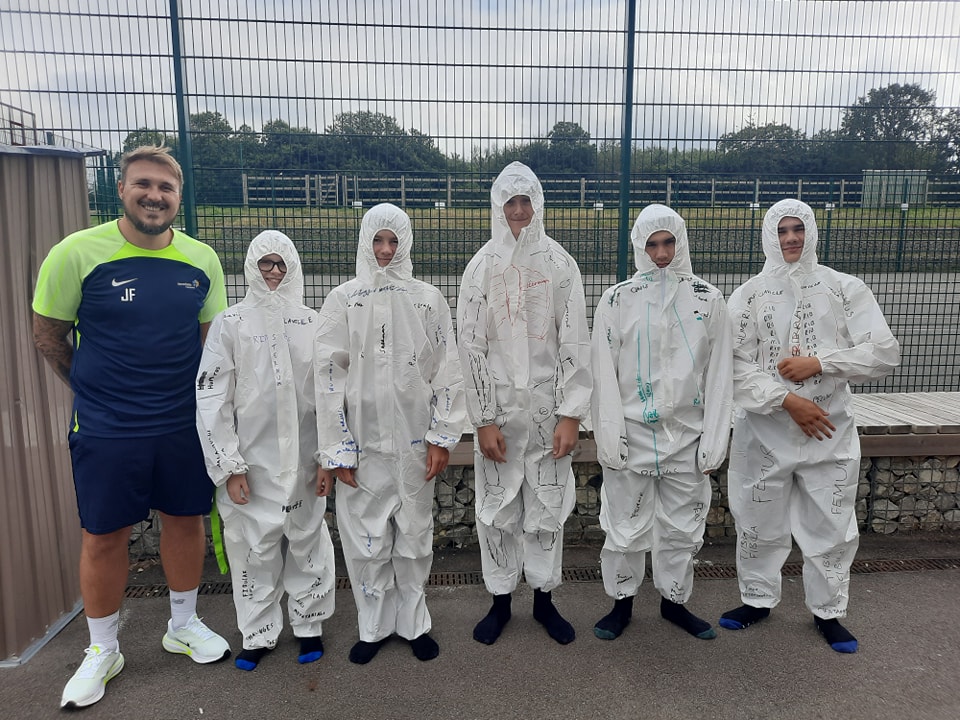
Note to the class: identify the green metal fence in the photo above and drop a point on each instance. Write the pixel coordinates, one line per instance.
(300, 115)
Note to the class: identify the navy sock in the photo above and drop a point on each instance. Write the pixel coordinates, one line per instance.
(743, 616)
(249, 659)
(311, 649)
(363, 652)
(488, 630)
(545, 613)
(680, 616)
(611, 625)
(424, 647)
(836, 634)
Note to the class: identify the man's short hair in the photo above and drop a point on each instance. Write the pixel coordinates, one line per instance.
(151, 153)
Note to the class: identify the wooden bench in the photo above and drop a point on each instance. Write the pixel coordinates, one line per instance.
(890, 425)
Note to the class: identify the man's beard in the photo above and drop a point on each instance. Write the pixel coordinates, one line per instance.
(149, 229)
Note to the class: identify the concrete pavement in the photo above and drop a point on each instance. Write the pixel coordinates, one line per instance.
(907, 621)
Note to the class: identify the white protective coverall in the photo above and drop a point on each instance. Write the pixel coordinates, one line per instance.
(781, 480)
(525, 349)
(388, 383)
(255, 416)
(662, 398)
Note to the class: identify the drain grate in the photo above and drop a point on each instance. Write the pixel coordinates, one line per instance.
(222, 587)
(148, 591)
(580, 575)
(872, 566)
(446, 579)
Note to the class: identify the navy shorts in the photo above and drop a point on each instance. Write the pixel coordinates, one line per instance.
(119, 480)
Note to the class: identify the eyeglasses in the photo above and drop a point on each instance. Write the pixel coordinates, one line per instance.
(266, 265)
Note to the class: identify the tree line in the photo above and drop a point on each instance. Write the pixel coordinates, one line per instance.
(896, 127)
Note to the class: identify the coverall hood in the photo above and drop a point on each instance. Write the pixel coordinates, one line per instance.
(385, 217)
(516, 179)
(771, 242)
(655, 218)
(291, 287)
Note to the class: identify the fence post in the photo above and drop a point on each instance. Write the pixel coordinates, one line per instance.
(306, 188)
(187, 194)
(799, 188)
(826, 233)
(403, 191)
(669, 190)
(754, 207)
(246, 190)
(343, 183)
(449, 191)
(904, 209)
(843, 188)
(713, 192)
(756, 192)
(583, 192)
(626, 143)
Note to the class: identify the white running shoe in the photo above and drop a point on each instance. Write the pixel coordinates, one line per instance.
(90, 680)
(198, 641)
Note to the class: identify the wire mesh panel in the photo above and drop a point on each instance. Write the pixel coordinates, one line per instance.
(300, 115)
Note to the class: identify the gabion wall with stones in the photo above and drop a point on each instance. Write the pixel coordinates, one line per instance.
(895, 495)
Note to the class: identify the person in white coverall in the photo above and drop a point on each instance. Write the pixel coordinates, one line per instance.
(662, 396)
(802, 332)
(525, 351)
(389, 406)
(257, 425)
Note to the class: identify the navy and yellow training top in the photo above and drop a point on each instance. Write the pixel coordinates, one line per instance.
(137, 316)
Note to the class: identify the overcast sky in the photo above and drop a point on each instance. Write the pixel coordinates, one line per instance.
(471, 74)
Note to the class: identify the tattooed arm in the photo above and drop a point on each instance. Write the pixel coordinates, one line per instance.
(51, 338)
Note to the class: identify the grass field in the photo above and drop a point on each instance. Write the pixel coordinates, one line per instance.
(854, 240)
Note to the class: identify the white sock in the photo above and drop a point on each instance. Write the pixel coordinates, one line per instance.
(104, 631)
(183, 606)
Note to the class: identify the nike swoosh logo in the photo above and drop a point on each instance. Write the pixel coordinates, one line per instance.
(118, 283)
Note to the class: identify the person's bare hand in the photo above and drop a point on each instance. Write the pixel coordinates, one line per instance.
(565, 436)
(811, 418)
(437, 459)
(799, 369)
(238, 490)
(348, 476)
(492, 444)
(325, 481)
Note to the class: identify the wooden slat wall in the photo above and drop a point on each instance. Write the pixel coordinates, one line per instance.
(43, 197)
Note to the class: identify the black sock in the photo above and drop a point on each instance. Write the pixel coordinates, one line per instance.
(488, 630)
(311, 649)
(680, 616)
(424, 647)
(611, 625)
(545, 613)
(836, 634)
(249, 659)
(743, 616)
(363, 652)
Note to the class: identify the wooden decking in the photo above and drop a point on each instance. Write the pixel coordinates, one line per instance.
(905, 424)
(890, 425)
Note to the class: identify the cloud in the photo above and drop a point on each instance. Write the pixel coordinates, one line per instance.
(473, 74)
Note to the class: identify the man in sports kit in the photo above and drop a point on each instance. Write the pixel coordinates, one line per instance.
(138, 297)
